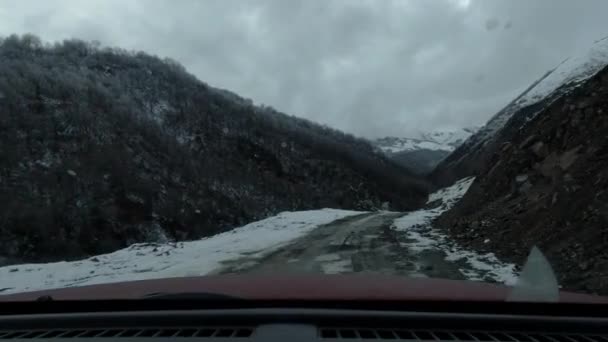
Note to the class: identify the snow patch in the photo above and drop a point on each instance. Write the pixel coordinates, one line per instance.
(482, 266)
(158, 111)
(452, 138)
(405, 144)
(156, 260)
(422, 236)
(47, 160)
(452, 194)
(337, 267)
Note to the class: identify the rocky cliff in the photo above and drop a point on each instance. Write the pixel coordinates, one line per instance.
(546, 184)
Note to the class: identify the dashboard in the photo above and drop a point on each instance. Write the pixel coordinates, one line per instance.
(225, 321)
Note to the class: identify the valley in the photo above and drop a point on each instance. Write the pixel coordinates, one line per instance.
(120, 166)
(311, 242)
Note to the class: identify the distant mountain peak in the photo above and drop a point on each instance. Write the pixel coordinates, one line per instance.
(422, 151)
(437, 140)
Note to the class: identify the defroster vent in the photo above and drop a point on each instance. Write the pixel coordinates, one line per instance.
(214, 332)
(443, 335)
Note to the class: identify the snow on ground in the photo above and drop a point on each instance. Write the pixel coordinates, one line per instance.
(422, 236)
(334, 264)
(337, 267)
(149, 261)
(453, 137)
(450, 195)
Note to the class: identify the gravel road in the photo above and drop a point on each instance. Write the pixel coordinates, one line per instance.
(364, 243)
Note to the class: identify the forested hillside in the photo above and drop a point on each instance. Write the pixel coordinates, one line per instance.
(102, 147)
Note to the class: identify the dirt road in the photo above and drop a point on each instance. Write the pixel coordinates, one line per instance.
(364, 243)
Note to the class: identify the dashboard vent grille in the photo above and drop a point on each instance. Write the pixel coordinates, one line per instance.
(214, 332)
(444, 335)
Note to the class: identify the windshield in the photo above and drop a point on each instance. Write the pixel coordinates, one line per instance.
(438, 145)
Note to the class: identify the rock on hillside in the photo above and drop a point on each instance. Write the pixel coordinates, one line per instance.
(101, 147)
(474, 154)
(546, 185)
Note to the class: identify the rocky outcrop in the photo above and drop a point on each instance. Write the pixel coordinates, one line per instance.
(546, 184)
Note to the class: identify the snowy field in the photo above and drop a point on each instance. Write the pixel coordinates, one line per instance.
(417, 228)
(149, 261)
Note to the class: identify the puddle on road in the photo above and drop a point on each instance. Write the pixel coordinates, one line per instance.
(235, 267)
(328, 257)
(337, 267)
(334, 263)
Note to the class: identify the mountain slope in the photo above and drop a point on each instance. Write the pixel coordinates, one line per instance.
(102, 148)
(422, 153)
(474, 153)
(420, 161)
(546, 184)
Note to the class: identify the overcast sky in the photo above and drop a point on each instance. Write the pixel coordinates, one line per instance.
(370, 67)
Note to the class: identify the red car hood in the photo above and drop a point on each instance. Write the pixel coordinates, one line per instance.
(300, 287)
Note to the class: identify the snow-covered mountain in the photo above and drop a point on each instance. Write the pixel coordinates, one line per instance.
(450, 139)
(437, 140)
(553, 85)
(422, 151)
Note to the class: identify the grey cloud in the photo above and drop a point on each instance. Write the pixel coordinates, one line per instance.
(369, 67)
